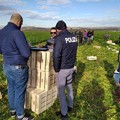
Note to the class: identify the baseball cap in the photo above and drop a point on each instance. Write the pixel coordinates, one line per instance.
(61, 25)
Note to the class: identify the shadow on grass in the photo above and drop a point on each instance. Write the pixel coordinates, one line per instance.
(4, 109)
(110, 71)
(88, 105)
(78, 76)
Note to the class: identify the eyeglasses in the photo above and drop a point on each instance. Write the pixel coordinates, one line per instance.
(53, 32)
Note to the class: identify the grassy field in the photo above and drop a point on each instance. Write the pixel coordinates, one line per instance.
(37, 37)
(93, 85)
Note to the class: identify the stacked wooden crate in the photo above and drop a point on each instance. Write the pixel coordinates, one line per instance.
(0, 95)
(41, 91)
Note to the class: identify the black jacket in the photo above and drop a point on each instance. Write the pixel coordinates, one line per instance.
(89, 34)
(13, 45)
(64, 53)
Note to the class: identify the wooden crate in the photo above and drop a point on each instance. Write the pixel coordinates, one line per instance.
(44, 61)
(33, 59)
(28, 97)
(41, 80)
(39, 100)
(41, 60)
(49, 101)
(49, 61)
(41, 92)
(32, 81)
(41, 72)
(54, 93)
(0, 95)
(47, 80)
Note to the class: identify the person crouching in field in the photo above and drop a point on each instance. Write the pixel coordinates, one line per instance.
(15, 51)
(50, 42)
(64, 56)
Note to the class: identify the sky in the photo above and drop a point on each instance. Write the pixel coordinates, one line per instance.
(76, 13)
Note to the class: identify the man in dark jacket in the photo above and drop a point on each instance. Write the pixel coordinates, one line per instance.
(15, 51)
(89, 35)
(50, 42)
(64, 56)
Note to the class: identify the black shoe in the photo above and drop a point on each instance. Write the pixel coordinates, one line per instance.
(63, 117)
(12, 114)
(58, 113)
(70, 109)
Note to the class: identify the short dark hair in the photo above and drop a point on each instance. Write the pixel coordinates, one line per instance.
(53, 28)
(61, 25)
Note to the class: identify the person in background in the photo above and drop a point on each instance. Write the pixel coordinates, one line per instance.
(80, 37)
(85, 36)
(106, 37)
(92, 37)
(16, 51)
(116, 77)
(119, 39)
(77, 34)
(50, 42)
(89, 35)
(64, 57)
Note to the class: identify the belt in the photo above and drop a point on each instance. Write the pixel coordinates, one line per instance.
(20, 66)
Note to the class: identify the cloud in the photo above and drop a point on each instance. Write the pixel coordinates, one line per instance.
(94, 22)
(88, 0)
(12, 2)
(40, 16)
(52, 2)
(52, 5)
(115, 11)
(58, 1)
(41, 2)
(44, 7)
(6, 8)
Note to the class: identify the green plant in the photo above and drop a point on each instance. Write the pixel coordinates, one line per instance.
(93, 85)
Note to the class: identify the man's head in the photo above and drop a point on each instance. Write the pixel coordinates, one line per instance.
(53, 32)
(61, 25)
(17, 19)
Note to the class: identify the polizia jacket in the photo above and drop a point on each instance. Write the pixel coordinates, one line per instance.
(64, 53)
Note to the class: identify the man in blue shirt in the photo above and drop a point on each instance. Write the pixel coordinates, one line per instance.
(64, 56)
(16, 52)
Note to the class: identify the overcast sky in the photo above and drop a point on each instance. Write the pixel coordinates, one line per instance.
(76, 13)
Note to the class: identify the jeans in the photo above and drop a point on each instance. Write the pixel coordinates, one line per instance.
(116, 75)
(63, 81)
(17, 82)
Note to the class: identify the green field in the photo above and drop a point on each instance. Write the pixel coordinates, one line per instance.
(93, 85)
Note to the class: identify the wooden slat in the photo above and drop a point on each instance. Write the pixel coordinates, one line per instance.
(0, 95)
(33, 60)
(28, 97)
(43, 62)
(33, 78)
